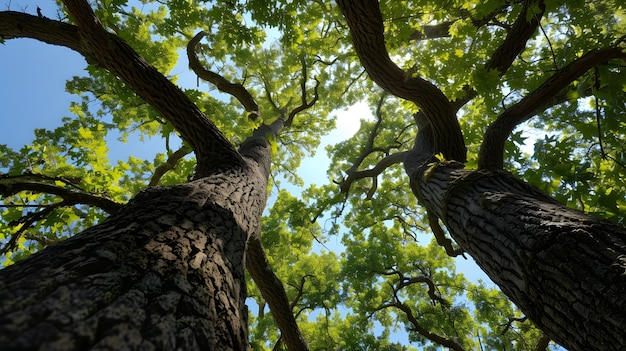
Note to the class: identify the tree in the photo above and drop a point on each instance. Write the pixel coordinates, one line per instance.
(165, 269)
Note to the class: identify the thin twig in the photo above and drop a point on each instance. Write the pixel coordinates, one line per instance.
(597, 101)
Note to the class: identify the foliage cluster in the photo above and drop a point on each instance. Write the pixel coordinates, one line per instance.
(352, 252)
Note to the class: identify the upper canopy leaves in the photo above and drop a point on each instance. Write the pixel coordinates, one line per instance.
(379, 275)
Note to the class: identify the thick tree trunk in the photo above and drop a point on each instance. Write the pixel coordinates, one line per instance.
(563, 268)
(166, 273)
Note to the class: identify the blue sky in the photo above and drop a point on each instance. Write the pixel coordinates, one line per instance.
(32, 93)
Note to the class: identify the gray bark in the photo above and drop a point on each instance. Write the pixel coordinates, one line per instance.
(563, 268)
(166, 272)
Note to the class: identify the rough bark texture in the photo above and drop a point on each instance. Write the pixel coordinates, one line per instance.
(563, 268)
(170, 250)
(166, 273)
(257, 147)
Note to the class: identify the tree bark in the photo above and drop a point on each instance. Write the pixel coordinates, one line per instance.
(166, 272)
(233, 185)
(563, 268)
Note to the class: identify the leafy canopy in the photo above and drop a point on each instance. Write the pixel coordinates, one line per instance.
(353, 251)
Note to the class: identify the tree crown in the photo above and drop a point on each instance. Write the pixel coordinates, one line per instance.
(537, 88)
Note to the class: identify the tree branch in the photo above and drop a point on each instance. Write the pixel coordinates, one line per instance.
(168, 165)
(304, 105)
(383, 164)
(417, 327)
(293, 304)
(15, 25)
(212, 149)
(27, 221)
(234, 89)
(404, 281)
(543, 343)
(274, 293)
(390, 159)
(509, 323)
(300, 290)
(109, 51)
(441, 237)
(366, 27)
(256, 147)
(517, 37)
(492, 148)
(453, 345)
(441, 30)
(514, 43)
(369, 146)
(38, 183)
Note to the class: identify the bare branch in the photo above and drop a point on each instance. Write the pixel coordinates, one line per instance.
(384, 163)
(304, 105)
(417, 327)
(492, 148)
(234, 89)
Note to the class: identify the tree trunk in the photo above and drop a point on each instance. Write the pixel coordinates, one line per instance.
(166, 272)
(563, 268)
